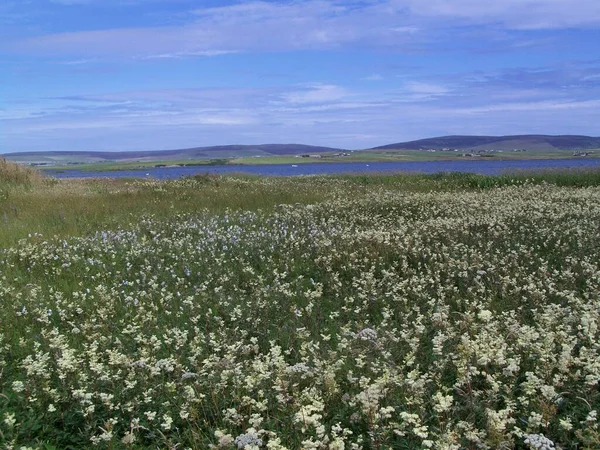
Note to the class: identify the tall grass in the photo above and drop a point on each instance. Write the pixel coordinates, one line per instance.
(78, 207)
(13, 174)
(464, 180)
(31, 203)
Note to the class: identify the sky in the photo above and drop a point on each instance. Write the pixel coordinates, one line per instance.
(114, 75)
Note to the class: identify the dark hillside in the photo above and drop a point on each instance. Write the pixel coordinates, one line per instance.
(528, 141)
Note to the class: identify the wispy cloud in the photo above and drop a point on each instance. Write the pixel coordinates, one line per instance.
(546, 105)
(314, 24)
(315, 93)
(516, 14)
(374, 77)
(71, 2)
(318, 113)
(79, 62)
(418, 90)
(180, 55)
(349, 73)
(109, 3)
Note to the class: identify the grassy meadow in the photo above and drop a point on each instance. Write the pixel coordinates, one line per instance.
(450, 311)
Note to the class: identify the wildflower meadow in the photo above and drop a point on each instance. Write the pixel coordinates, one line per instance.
(381, 312)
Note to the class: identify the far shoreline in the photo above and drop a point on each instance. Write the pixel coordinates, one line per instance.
(294, 160)
(484, 166)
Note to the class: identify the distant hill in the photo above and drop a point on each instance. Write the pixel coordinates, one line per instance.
(527, 141)
(530, 142)
(212, 152)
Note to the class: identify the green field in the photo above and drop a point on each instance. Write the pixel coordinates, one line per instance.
(133, 165)
(411, 155)
(450, 311)
(355, 156)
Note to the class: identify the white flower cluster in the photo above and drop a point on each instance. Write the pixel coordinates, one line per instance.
(248, 441)
(539, 442)
(367, 334)
(299, 368)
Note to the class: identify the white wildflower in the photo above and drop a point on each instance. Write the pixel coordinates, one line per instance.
(539, 442)
(367, 334)
(225, 440)
(9, 419)
(167, 422)
(299, 368)
(442, 402)
(188, 376)
(485, 315)
(248, 440)
(129, 438)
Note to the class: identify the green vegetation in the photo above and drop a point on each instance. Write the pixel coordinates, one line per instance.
(31, 203)
(410, 155)
(462, 155)
(87, 164)
(287, 159)
(135, 165)
(16, 175)
(431, 149)
(400, 311)
(78, 207)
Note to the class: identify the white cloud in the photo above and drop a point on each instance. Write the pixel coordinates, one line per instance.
(315, 93)
(495, 102)
(79, 62)
(546, 105)
(418, 87)
(312, 24)
(518, 14)
(249, 26)
(110, 3)
(180, 55)
(70, 2)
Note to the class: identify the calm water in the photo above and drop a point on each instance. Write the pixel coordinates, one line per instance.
(478, 166)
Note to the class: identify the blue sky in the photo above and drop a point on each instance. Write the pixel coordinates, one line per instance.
(163, 74)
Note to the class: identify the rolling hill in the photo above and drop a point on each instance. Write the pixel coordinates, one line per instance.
(213, 152)
(537, 144)
(527, 141)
